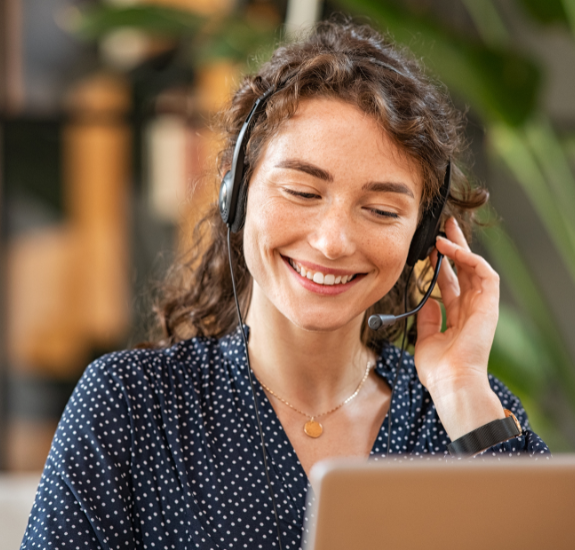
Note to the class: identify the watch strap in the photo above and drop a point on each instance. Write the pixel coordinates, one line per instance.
(486, 436)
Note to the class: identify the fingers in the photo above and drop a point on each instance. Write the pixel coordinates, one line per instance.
(473, 271)
(428, 320)
(447, 280)
(455, 234)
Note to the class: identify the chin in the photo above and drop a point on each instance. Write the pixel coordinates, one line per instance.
(323, 322)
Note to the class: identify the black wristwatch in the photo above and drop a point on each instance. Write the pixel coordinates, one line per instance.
(486, 436)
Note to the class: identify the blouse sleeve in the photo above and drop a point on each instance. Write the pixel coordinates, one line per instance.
(84, 496)
(528, 442)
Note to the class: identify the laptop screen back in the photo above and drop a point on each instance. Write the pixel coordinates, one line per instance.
(467, 504)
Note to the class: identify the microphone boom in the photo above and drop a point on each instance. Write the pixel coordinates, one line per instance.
(375, 322)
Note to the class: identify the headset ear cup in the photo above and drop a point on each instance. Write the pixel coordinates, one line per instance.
(240, 216)
(225, 197)
(424, 237)
(417, 244)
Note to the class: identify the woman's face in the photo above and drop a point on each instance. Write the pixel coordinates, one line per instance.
(332, 208)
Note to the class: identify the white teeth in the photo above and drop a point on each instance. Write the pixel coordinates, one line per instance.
(318, 277)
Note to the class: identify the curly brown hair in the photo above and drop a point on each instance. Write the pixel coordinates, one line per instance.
(351, 63)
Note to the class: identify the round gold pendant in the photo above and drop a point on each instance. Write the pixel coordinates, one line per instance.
(312, 428)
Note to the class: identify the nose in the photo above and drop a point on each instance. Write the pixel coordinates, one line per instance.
(333, 234)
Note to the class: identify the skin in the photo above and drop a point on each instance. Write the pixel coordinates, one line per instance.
(332, 192)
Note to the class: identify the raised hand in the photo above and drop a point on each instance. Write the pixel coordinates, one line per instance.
(452, 365)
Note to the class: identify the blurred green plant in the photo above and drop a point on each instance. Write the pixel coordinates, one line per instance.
(199, 38)
(501, 84)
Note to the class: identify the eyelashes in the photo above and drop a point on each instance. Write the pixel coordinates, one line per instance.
(385, 214)
(302, 195)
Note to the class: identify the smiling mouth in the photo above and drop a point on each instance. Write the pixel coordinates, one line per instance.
(320, 278)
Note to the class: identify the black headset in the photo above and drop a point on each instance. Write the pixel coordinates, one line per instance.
(234, 188)
(234, 191)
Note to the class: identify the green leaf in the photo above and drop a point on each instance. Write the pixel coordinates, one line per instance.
(204, 39)
(528, 353)
(518, 356)
(545, 11)
(569, 7)
(97, 22)
(236, 39)
(509, 263)
(512, 146)
(487, 21)
(548, 150)
(500, 84)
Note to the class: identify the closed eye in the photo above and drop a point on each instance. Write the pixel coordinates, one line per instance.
(384, 213)
(302, 194)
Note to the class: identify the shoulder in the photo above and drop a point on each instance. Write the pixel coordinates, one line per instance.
(149, 377)
(139, 387)
(185, 358)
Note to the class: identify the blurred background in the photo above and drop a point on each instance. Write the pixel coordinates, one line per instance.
(107, 161)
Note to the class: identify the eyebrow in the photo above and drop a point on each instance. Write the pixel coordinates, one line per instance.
(320, 173)
(388, 187)
(301, 166)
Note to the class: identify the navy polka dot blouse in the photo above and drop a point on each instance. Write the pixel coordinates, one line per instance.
(159, 449)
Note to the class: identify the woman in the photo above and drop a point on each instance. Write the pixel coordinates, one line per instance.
(160, 447)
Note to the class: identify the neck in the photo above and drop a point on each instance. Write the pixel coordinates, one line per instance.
(313, 370)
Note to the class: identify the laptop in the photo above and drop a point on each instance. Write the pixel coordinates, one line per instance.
(426, 505)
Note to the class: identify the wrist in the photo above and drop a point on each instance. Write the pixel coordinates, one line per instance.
(463, 408)
(486, 436)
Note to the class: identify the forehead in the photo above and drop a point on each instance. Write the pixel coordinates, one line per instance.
(340, 138)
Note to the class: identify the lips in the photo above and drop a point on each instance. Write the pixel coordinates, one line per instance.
(320, 277)
(323, 277)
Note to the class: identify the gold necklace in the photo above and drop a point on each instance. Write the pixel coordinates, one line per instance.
(312, 428)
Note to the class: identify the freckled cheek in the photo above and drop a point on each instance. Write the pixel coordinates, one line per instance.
(268, 227)
(388, 252)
